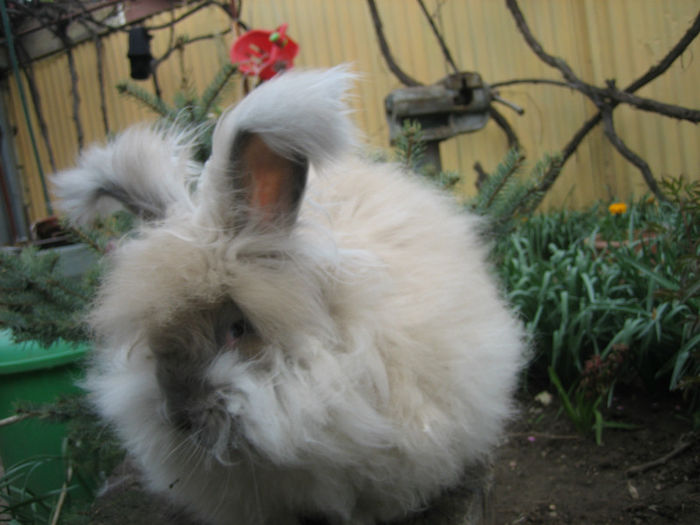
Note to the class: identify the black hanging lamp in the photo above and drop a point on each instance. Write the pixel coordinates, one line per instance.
(140, 53)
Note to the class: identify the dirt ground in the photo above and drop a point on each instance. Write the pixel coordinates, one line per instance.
(547, 474)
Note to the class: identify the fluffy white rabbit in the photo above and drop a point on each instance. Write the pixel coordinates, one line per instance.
(304, 333)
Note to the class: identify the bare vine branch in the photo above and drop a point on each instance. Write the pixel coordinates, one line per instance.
(684, 443)
(438, 35)
(181, 43)
(60, 32)
(57, 16)
(599, 96)
(612, 95)
(28, 70)
(187, 14)
(502, 122)
(606, 99)
(653, 72)
(386, 51)
(515, 81)
(630, 155)
(548, 59)
(99, 65)
(99, 54)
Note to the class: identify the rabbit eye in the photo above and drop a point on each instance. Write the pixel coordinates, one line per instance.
(236, 331)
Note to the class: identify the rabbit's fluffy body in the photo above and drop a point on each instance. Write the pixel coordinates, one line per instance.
(373, 359)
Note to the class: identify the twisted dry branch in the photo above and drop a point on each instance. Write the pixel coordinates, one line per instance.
(606, 99)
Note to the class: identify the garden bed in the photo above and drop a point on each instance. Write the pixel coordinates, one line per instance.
(545, 473)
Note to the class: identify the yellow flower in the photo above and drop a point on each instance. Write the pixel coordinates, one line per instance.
(617, 208)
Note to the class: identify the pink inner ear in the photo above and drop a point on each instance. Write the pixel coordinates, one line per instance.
(267, 191)
(268, 179)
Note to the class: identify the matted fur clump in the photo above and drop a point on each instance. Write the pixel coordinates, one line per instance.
(301, 333)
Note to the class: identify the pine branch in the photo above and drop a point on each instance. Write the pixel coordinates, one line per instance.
(84, 238)
(215, 89)
(503, 197)
(409, 146)
(153, 102)
(493, 186)
(532, 199)
(188, 109)
(103, 231)
(37, 302)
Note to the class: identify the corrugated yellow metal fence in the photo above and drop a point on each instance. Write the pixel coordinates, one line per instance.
(600, 39)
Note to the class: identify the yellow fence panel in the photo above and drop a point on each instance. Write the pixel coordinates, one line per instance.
(599, 39)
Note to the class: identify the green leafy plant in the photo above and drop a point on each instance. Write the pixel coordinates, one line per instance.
(590, 282)
(581, 301)
(90, 452)
(584, 409)
(680, 228)
(21, 504)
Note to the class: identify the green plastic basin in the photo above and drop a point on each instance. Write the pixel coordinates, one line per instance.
(32, 373)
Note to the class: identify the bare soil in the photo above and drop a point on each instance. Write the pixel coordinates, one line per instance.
(545, 473)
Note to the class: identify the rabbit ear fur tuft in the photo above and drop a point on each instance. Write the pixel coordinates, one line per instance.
(298, 114)
(296, 119)
(144, 170)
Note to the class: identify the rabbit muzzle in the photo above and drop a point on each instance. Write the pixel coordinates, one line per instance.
(204, 414)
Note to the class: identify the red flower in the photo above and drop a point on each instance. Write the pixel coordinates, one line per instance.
(263, 54)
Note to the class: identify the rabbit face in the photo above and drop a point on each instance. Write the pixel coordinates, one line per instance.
(195, 404)
(177, 289)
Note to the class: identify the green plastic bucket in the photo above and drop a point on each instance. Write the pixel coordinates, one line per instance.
(32, 373)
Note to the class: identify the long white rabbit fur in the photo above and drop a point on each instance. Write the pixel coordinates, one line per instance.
(343, 354)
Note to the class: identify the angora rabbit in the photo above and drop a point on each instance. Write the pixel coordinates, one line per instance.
(300, 332)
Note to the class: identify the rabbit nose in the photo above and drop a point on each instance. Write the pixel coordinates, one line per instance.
(213, 426)
(207, 423)
(181, 420)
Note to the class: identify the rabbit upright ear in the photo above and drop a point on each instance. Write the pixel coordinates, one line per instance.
(263, 147)
(268, 185)
(144, 170)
